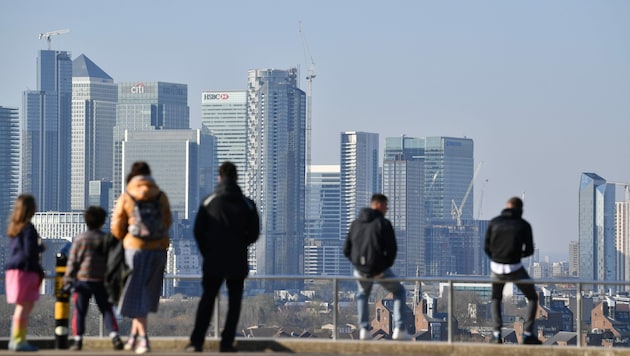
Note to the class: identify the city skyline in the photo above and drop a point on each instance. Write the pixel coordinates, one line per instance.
(541, 87)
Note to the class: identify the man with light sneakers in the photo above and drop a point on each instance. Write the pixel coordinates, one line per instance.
(371, 247)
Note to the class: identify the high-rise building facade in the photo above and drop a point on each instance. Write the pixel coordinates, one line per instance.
(323, 249)
(597, 229)
(448, 171)
(147, 106)
(179, 159)
(9, 162)
(275, 169)
(403, 184)
(622, 237)
(359, 174)
(224, 113)
(46, 135)
(574, 258)
(94, 99)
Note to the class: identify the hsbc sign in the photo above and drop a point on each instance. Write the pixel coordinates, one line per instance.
(216, 96)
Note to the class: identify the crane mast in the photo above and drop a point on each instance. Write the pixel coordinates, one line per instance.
(309, 112)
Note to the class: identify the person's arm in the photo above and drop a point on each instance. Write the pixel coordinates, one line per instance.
(528, 241)
(202, 225)
(167, 217)
(120, 220)
(389, 236)
(74, 262)
(31, 247)
(347, 246)
(488, 243)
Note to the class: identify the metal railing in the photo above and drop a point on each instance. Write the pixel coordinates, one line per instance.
(450, 281)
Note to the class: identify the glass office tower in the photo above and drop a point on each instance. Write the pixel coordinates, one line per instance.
(403, 183)
(9, 173)
(46, 135)
(147, 106)
(597, 230)
(224, 113)
(94, 99)
(276, 143)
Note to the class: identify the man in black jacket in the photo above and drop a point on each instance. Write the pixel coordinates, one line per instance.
(508, 239)
(371, 247)
(226, 224)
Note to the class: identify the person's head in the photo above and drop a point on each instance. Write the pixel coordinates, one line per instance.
(95, 217)
(379, 202)
(139, 168)
(514, 203)
(227, 171)
(23, 211)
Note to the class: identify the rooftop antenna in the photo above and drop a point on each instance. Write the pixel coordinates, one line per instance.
(47, 35)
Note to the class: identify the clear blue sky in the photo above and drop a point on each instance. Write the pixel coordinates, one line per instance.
(543, 87)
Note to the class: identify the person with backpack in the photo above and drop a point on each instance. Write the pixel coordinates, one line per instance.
(371, 248)
(226, 224)
(85, 273)
(141, 219)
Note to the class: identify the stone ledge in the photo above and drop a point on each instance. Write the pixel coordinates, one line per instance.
(352, 347)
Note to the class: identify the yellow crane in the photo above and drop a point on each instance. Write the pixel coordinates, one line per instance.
(47, 35)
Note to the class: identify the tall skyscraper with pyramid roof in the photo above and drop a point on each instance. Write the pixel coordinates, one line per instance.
(94, 99)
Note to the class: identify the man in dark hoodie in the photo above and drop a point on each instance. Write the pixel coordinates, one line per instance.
(226, 224)
(508, 239)
(371, 247)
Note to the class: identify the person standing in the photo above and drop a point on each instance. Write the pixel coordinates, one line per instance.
(226, 224)
(371, 248)
(85, 272)
(508, 239)
(23, 270)
(145, 253)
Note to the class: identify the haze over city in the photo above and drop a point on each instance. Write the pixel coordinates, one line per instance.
(541, 87)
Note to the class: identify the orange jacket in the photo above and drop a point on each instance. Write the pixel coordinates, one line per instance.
(141, 188)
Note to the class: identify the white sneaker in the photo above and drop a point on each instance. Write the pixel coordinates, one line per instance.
(364, 334)
(401, 334)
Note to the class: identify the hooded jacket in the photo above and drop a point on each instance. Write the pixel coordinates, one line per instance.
(227, 222)
(371, 243)
(509, 237)
(141, 188)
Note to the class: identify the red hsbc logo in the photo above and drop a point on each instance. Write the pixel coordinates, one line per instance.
(222, 96)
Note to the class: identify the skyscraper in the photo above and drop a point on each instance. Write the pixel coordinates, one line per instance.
(323, 250)
(359, 174)
(147, 106)
(276, 141)
(9, 162)
(622, 236)
(448, 171)
(179, 159)
(94, 99)
(46, 135)
(224, 113)
(574, 258)
(403, 184)
(596, 229)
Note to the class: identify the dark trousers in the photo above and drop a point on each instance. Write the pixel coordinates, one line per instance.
(528, 289)
(83, 291)
(211, 286)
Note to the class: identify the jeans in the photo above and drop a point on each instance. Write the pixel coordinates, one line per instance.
(83, 291)
(364, 289)
(528, 289)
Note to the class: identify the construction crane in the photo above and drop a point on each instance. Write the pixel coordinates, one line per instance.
(456, 211)
(309, 111)
(47, 35)
(310, 75)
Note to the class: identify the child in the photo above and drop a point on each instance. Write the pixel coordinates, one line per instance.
(23, 270)
(86, 272)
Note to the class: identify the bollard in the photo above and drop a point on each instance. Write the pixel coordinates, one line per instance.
(62, 302)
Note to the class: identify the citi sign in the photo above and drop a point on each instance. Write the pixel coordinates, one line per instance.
(137, 89)
(222, 96)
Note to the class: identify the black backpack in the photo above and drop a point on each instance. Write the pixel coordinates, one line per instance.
(148, 219)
